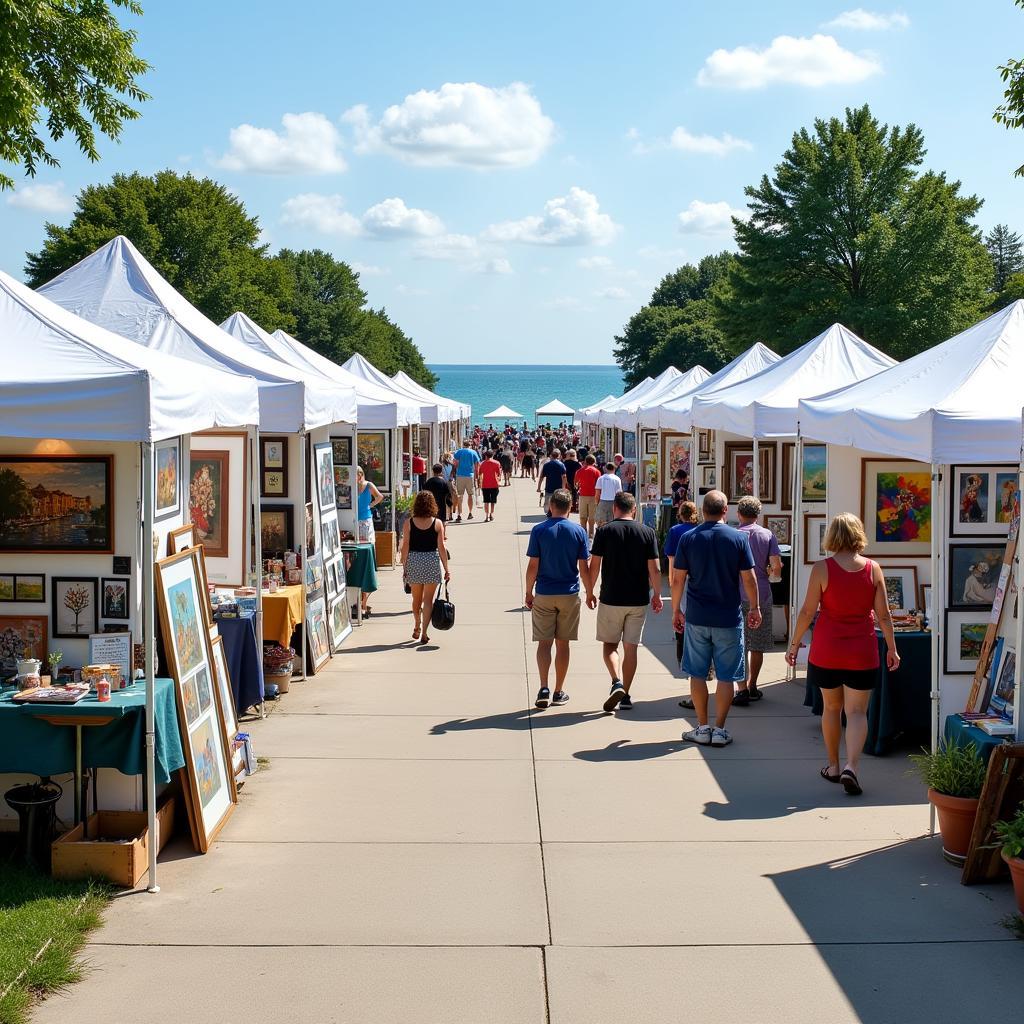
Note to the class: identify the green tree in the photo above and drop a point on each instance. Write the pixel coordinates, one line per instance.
(677, 327)
(72, 63)
(15, 499)
(1011, 292)
(1007, 254)
(848, 230)
(1010, 113)
(194, 232)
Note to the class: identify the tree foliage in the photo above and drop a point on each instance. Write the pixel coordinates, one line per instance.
(848, 230)
(677, 327)
(72, 63)
(1010, 113)
(1007, 255)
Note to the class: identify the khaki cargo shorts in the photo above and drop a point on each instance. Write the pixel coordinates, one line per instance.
(463, 485)
(556, 617)
(588, 506)
(617, 622)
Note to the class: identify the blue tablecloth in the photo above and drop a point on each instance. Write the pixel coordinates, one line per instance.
(30, 745)
(958, 731)
(245, 663)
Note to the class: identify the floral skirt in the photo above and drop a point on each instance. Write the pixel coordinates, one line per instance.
(366, 534)
(423, 567)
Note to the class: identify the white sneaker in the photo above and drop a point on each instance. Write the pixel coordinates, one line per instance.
(702, 735)
(720, 738)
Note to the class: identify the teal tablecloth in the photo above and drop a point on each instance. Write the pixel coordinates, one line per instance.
(958, 731)
(362, 573)
(32, 746)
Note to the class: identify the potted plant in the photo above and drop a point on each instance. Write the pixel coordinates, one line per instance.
(403, 509)
(1010, 836)
(954, 775)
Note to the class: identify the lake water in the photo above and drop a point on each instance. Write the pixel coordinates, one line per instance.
(524, 388)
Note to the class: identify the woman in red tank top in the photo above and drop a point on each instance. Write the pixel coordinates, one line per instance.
(847, 593)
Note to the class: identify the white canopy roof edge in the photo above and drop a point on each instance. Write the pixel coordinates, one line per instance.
(360, 366)
(104, 387)
(765, 405)
(673, 413)
(454, 410)
(503, 412)
(644, 411)
(636, 396)
(118, 289)
(591, 411)
(959, 401)
(375, 406)
(555, 408)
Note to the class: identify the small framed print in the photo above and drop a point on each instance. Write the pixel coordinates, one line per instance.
(274, 484)
(323, 458)
(342, 450)
(982, 500)
(650, 444)
(708, 477)
(739, 470)
(114, 598)
(75, 600)
(276, 528)
(815, 528)
(705, 445)
(168, 478)
(181, 538)
(7, 586)
(974, 574)
(340, 620)
(274, 467)
(925, 598)
(900, 587)
(781, 526)
(965, 634)
(29, 587)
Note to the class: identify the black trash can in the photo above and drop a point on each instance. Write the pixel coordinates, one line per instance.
(36, 806)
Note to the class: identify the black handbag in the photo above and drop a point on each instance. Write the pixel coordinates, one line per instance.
(442, 616)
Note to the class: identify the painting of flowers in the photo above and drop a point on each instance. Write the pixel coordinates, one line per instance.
(208, 500)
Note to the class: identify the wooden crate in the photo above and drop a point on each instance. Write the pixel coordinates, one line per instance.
(72, 856)
(384, 545)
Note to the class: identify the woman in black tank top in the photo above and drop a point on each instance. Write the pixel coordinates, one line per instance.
(423, 555)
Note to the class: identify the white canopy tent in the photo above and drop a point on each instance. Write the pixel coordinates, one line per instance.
(361, 367)
(673, 412)
(503, 412)
(634, 397)
(631, 416)
(117, 288)
(591, 410)
(454, 410)
(109, 389)
(958, 402)
(555, 408)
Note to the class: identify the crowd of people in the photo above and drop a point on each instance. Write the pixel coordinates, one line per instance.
(721, 580)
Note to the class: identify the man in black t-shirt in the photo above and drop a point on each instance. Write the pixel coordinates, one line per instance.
(552, 475)
(625, 554)
(441, 490)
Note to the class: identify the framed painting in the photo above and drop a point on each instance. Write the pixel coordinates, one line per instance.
(424, 442)
(334, 577)
(708, 477)
(330, 536)
(180, 538)
(343, 481)
(781, 526)
(650, 444)
(227, 700)
(814, 476)
(1001, 698)
(925, 600)
(74, 606)
(114, 596)
(965, 633)
(372, 447)
(273, 467)
(209, 784)
(310, 530)
(974, 574)
(896, 506)
(705, 445)
(58, 504)
(815, 527)
(323, 461)
(30, 587)
(739, 470)
(675, 455)
(786, 497)
(314, 575)
(22, 636)
(209, 502)
(318, 639)
(7, 586)
(629, 445)
(168, 478)
(342, 450)
(982, 500)
(277, 525)
(900, 587)
(341, 620)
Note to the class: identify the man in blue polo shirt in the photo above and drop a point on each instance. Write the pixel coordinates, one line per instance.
(558, 557)
(466, 460)
(716, 561)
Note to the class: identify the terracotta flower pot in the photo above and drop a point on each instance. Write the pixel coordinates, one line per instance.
(956, 823)
(1016, 866)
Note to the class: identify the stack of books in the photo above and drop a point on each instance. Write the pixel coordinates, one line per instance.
(994, 725)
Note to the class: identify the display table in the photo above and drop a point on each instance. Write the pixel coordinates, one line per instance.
(245, 660)
(362, 572)
(282, 612)
(900, 707)
(959, 732)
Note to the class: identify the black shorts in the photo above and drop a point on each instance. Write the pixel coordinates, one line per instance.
(833, 678)
(490, 495)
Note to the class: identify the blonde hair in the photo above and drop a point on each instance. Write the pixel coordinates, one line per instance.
(845, 533)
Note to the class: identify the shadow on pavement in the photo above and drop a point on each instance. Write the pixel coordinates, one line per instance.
(517, 721)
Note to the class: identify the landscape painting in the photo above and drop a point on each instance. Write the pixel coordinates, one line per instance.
(815, 472)
(965, 635)
(56, 503)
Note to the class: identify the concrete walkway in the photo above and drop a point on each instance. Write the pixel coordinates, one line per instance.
(425, 848)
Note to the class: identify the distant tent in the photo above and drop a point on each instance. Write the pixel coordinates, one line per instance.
(555, 408)
(503, 412)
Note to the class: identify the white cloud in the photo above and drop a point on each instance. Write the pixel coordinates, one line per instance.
(701, 218)
(814, 61)
(594, 263)
(869, 21)
(459, 125)
(573, 219)
(563, 302)
(612, 292)
(388, 219)
(706, 145)
(447, 247)
(368, 269)
(309, 144)
(44, 198)
(495, 265)
(405, 289)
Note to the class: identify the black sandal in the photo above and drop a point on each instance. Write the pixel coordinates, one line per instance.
(829, 778)
(850, 783)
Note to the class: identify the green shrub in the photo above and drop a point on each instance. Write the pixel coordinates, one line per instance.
(954, 769)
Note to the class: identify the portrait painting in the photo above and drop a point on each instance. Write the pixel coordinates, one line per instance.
(168, 477)
(209, 474)
(974, 574)
(897, 506)
(1007, 500)
(372, 447)
(739, 470)
(982, 500)
(114, 598)
(59, 504)
(323, 461)
(675, 455)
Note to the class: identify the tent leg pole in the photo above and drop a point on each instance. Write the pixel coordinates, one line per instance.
(756, 492)
(149, 639)
(1018, 715)
(257, 546)
(302, 547)
(936, 634)
(795, 559)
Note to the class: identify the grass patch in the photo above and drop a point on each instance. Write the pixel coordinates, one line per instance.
(37, 911)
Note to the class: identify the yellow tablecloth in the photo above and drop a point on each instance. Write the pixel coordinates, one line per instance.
(282, 612)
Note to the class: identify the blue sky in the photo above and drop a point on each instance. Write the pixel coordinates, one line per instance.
(512, 182)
